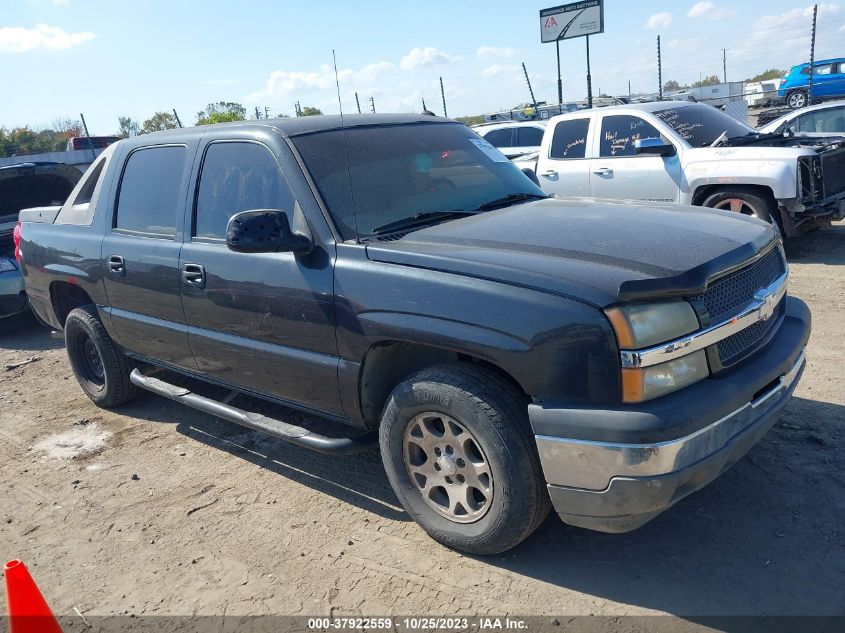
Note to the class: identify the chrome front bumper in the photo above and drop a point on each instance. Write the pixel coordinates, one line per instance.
(618, 486)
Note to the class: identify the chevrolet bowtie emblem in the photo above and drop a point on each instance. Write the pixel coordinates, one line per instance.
(767, 307)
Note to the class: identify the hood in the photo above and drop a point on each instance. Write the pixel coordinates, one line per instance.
(597, 251)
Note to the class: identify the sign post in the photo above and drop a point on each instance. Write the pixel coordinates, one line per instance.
(567, 21)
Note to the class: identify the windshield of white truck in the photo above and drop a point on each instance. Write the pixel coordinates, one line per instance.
(407, 176)
(700, 125)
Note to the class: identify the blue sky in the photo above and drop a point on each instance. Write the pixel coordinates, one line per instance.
(111, 58)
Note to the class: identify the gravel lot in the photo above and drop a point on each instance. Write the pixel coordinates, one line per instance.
(159, 510)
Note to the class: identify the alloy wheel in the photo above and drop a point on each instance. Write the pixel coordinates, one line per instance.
(448, 467)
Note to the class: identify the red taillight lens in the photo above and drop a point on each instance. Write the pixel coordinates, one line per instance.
(783, 81)
(17, 237)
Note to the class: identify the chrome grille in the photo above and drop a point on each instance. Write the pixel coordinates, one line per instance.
(728, 296)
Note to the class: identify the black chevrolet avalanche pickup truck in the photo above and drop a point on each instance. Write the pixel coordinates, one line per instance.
(507, 351)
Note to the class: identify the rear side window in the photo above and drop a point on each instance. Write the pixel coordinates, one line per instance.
(529, 137)
(80, 211)
(148, 201)
(499, 138)
(87, 191)
(570, 139)
(619, 132)
(237, 177)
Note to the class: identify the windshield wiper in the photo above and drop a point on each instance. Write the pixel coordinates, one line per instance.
(510, 199)
(420, 220)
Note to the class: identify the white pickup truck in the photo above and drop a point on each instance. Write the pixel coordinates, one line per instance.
(692, 153)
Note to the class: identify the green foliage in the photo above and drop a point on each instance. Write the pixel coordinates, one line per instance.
(159, 121)
(26, 140)
(128, 126)
(221, 112)
(310, 111)
(475, 119)
(772, 73)
(712, 80)
(671, 85)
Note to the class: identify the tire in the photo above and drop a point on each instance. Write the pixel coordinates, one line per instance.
(745, 200)
(100, 368)
(797, 99)
(498, 437)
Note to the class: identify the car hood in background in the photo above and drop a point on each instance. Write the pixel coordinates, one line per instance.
(597, 251)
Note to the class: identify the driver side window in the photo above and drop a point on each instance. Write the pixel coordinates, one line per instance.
(618, 133)
(237, 176)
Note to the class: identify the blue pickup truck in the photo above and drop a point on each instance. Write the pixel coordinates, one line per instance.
(828, 82)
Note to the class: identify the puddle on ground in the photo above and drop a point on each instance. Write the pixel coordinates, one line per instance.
(80, 440)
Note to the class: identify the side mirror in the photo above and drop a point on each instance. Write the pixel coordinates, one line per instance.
(264, 231)
(654, 147)
(531, 175)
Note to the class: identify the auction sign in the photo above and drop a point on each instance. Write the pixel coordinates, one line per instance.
(575, 19)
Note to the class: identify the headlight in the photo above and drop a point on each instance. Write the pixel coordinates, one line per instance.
(648, 324)
(658, 380)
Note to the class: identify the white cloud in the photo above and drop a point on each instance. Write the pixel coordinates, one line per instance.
(710, 11)
(423, 57)
(659, 21)
(16, 39)
(494, 52)
(501, 70)
(282, 84)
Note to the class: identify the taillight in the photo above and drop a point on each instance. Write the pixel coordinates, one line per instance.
(782, 80)
(17, 237)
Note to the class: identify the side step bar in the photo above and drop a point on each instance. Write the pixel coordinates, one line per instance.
(256, 421)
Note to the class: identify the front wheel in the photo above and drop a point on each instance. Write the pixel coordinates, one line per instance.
(458, 451)
(745, 200)
(797, 99)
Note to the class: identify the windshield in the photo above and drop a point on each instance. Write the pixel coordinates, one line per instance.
(397, 172)
(700, 125)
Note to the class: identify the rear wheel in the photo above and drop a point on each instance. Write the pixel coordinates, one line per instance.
(797, 99)
(100, 368)
(745, 200)
(459, 453)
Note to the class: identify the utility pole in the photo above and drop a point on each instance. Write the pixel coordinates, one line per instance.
(357, 103)
(372, 105)
(297, 108)
(725, 64)
(812, 55)
(589, 77)
(530, 89)
(257, 114)
(629, 90)
(88, 136)
(443, 97)
(659, 72)
(176, 116)
(559, 81)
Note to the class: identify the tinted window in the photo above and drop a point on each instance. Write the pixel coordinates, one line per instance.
(570, 139)
(237, 177)
(823, 70)
(395, 172)
(529, 137)
(148, 201)
(618, 134)
(701, 124)
(499, 138)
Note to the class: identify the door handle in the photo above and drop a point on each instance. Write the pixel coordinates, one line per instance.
(117, 265)
(193, 275)
(603, 171)
(549, 173)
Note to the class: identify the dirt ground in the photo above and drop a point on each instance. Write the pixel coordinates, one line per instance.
(157, 509)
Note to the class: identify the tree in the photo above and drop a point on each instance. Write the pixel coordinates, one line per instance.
(159, 121)
(671, 85)
(26, 140)
(772, 73)
(474, 119)
(128, 126)
(310, 111)
(712, 80)
(221, 112)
